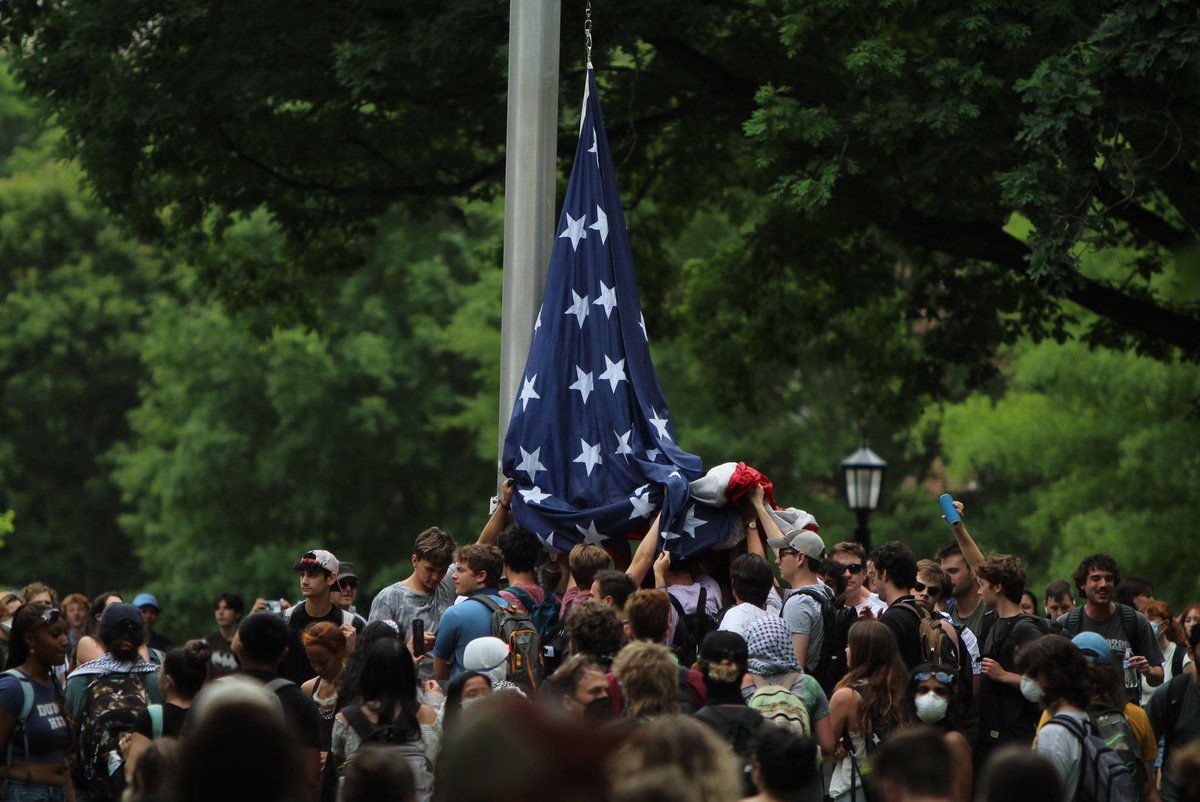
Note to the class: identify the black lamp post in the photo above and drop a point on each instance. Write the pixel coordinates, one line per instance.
(864, 482)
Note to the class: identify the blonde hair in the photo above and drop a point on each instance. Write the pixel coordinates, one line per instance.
(691, 754)
(649, 679)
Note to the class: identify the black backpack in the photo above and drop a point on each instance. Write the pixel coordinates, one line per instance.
(691, 629)
(411, 749)
(836, 620)
(1103, 775)
(111, 705)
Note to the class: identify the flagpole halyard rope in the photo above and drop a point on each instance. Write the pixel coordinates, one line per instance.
(587, 32)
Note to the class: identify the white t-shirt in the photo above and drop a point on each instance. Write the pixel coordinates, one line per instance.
(739, 618)
(876, 604)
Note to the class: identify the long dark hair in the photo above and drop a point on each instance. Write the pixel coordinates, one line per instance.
(92, 625)
(878, 675)
(389, 680)
(350, 690)
(25, 620)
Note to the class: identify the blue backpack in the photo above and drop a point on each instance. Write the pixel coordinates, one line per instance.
(544, 616)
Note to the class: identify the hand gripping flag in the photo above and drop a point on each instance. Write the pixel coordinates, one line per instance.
(590, 440)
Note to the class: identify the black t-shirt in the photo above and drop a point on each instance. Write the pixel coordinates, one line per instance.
(906, 626)
(174, 718)
(296, 666)
(1004, 714)
(299, 711)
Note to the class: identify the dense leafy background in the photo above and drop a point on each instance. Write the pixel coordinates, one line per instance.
(250, 271)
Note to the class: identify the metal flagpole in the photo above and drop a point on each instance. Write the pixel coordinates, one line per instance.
(529, 185)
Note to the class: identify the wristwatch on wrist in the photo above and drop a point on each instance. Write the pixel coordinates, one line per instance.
(752, 524)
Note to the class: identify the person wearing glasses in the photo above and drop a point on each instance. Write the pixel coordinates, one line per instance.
(347, 584)
(930, 700)
(32, 724)
(852, 558)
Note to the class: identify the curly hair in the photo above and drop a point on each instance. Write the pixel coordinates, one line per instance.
(1099, 560)
(1006, 571)
(899, 562)
(594, 628)
(1059, 668)
(877, 673)
(649, 678)
(520, 548)
(37, 589)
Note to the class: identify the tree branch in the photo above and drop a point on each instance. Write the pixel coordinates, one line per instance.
(987, 242)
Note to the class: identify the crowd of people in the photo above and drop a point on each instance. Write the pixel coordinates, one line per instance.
(779, 669)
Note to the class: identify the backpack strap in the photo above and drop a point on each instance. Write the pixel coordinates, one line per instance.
(1074, 622)
(702, 601)
(358, 721)
(1129, 623)
(785, 681)
(524, 598)
(1071, 725)
(156, 721)
(278, 684)
(1177, 660)
(26, 709)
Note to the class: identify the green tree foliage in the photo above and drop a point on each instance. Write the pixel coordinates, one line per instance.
(71, 304)
(246, 451)
(871, 154)
(1083, 452)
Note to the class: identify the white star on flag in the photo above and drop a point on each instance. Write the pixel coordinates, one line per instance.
(589, 456)
(623, 447)
(642, 506)
(583, 383)
(660, 424)
(578, 307)
(652, 454)
(534, 495)
(527, 392)
(614, 372)
(574, 231)
(590, 535)
(607, 299)
(547, 542)
(670, 535)
(601, 224)
(691, 523)
(530, 463)
(594, 148)
(537, 324)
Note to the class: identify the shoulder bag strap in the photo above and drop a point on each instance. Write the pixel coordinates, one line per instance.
(156, 721)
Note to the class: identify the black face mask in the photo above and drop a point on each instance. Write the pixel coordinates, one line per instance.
(598, 709)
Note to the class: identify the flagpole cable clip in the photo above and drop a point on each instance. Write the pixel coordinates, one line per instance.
(587, 32)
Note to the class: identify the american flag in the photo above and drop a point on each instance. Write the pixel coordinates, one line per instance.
(590, 441)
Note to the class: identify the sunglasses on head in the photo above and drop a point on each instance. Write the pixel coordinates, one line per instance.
(51, 615)
(854, 568)
(940, 676)
(921, 587)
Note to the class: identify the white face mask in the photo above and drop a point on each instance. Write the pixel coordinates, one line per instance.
(1031, 690)
(6, 625)
(931, 708)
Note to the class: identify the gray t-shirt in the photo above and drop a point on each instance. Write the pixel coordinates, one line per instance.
(404, 605)
(803, 616)
(1113, 630)
(1065, 751)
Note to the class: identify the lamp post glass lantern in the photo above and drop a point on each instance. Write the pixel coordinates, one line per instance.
(863, 471)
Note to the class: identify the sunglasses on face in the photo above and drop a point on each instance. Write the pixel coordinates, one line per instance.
(854, 568)
(940, 676)
(348, 584)
(932, 590)
(788, 553)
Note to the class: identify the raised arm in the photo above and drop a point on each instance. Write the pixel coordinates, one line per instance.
(755, 542)
(970, 549)
(643, 558)
(495, 524)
